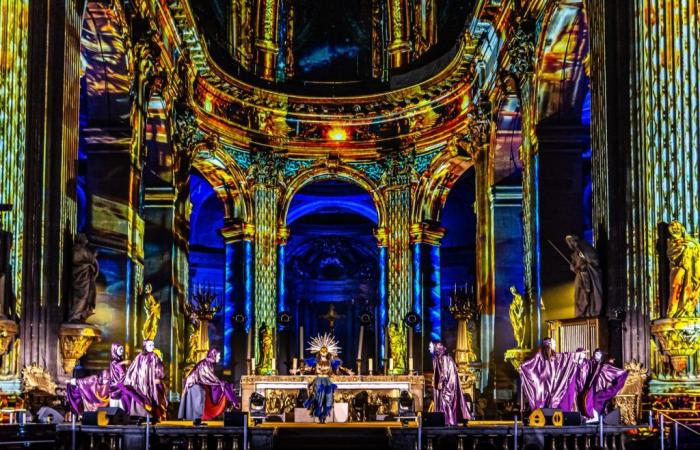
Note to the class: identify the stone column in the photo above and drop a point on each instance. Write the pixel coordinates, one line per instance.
(399, 47)
(426, 239)
(266, 45)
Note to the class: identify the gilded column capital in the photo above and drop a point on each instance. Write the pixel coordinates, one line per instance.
(282, 235)
(427, 233)
(266, 169)
(382, 236)
(398, 167)
(238, 231)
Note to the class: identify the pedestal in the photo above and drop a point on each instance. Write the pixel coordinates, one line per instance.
(679, 339)
(75, 339)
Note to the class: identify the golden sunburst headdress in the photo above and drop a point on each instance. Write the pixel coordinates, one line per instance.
(325, 340)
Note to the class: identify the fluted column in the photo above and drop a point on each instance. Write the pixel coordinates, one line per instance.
(266, 45)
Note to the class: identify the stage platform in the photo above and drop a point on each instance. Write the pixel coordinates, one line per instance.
(175, 435)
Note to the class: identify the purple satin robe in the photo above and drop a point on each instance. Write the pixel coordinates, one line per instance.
(598, 383)
(88, 394)
(447, 392)
(117, 370)
(143, 385)
(203, 374)
(550, 382)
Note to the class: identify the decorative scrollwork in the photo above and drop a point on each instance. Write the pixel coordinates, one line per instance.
(267, 167)
(522, 48)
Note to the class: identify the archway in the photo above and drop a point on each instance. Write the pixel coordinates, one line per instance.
(332, 258)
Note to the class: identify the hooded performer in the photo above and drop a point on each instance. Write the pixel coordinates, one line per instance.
(447, 392)
(549, 378)
(143, 390)
(117, 370)
(598, 383)
(206, 396)
(88, 393)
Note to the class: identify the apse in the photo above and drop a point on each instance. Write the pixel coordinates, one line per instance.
(332, 258)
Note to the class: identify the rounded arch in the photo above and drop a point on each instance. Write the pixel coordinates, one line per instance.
(226, 178)
(560, 84)
(435, 184)
(340, 172)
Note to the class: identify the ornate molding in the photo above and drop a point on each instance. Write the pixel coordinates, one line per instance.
(521, 48)
(266, 168)
(75, 340)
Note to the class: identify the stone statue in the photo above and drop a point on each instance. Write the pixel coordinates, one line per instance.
(397, 344)
(265, 366)
(588, 285)
(85, 271)
(683, 252)
(518, 318)
(152, 308)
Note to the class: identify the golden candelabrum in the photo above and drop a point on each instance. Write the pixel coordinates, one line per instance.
(203, 307)
(75, 339)
(467, 311)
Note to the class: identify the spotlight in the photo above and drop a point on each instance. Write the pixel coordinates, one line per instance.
(406, 408)
(284, 318)
(337, 134)
(366, 318)
(257, 407)
(239, 319)
(411, 320)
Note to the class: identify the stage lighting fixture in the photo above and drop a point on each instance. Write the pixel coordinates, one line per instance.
(411, 320)
(257, 405)
(366, 318)
(406, 409)
(284, 318)
(239, 319)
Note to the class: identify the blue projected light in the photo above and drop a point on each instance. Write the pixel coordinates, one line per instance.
(229, 305)
(326, 55)
(417, 282)
(382, 300)
(435, 314)
(248, 246)
(282, 300)
(304, 204)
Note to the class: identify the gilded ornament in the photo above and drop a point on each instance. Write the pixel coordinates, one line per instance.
(36, 378)
(683, 252)
(518, 317)
(75, 340)
(151, 307)
(629, 399)
(397, 346)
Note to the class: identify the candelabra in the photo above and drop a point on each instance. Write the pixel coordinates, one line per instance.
(202, 307)
(465, 308)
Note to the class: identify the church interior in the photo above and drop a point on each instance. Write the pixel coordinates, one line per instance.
(425, 224)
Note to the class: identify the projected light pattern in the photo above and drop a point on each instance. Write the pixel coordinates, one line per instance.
(13, 69)
(282, 297)
(435, 310)
(248, 301)
(229, 304)
(417, 281)
(382, 301)
(327, 55)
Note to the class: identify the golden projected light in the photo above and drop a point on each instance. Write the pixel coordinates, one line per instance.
(337, 134)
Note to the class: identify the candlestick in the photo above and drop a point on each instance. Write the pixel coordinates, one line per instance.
(369, 366)
(301, 342)
(410, 365)
(391, 363)
(359, 346)
(252, 366)
(294, 365)
(250, 343)
(274, 365)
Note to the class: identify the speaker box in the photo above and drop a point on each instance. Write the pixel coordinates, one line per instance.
(546, 416)
(434, 419)
(234, 418)
(572, 419)
(612, 418)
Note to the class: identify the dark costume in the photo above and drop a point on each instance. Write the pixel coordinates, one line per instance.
(206, 396)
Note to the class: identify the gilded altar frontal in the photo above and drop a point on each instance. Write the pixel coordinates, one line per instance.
(277, 224)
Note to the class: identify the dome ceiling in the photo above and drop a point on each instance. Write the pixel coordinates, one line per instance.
(330, 47)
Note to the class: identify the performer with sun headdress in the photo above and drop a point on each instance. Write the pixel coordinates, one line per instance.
(324, 363)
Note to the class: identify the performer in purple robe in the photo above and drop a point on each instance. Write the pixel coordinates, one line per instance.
(88, 393)
(598, 383)
(216, 393)
(117, 370)
(447, 392)
(143, 390)
(549, 378)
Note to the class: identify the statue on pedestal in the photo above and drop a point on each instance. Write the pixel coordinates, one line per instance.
(151, 307)
(683, 252)
(588, 284)
(265, 347)
(85, 271)
(397, 346)
(518, 317)
(447, 391)
(206, 396)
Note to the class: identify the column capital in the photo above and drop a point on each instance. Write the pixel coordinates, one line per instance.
(427, 233)
(237, 231)
(382, 236)
(282, 235)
